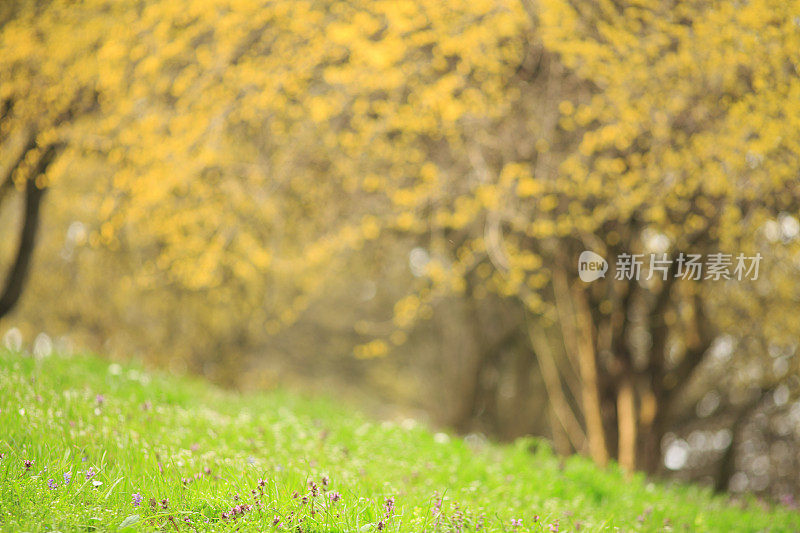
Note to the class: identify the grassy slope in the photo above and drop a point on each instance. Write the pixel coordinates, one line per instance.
(152, 431)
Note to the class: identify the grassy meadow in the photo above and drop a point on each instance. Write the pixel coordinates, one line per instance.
(89, 445)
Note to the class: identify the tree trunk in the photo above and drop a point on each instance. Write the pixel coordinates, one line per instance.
(592, 411)
(651, 422)
(626, 422)
(19, 270)
(559, 405)
(15, 281)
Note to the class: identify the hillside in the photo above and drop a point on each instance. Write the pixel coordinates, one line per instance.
(89, 445)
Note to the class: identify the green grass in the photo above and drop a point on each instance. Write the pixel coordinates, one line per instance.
(150, 432)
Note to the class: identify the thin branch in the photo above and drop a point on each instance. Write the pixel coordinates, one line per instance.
(7, 173)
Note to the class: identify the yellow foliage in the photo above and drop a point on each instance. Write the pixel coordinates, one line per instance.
(253, 144)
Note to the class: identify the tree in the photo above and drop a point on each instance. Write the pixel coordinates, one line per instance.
(36, 104)
(246, 158)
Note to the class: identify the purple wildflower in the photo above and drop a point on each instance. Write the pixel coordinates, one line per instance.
(27, 463)
(276, 520)
(136, 499)
(165, 503)
(325, 482)
(334, 496)
(437, 506)
(51, 483)
(381, 525)
(2, 455)
(90, 473)
(99, 399)
(262, 482)
(67, 477)
(516, 523)
(388, 505)
(458, 517)
(235, 511)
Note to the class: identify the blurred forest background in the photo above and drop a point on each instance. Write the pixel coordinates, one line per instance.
(387, 199)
